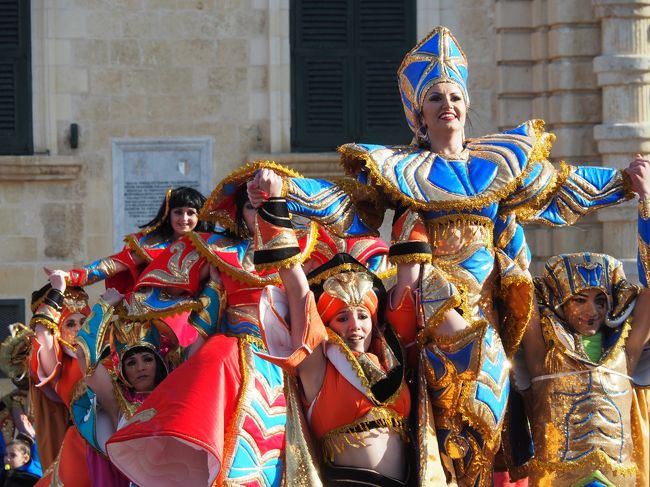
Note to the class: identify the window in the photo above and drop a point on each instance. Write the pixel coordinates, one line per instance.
(15, 78)
(344, 60)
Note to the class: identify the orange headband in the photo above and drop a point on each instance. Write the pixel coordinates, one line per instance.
(347, 289)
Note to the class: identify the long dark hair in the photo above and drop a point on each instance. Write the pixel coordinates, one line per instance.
(181, 196)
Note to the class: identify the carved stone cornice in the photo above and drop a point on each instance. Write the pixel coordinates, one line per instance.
(39, 168)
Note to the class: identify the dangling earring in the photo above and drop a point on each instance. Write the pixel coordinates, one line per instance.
(423, 137)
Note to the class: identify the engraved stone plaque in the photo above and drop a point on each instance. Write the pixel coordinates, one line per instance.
(143, 170)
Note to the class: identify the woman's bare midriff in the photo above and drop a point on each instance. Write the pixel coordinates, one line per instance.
(384, 452)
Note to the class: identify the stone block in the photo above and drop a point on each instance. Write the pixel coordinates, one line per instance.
(259, 51)
(12, 193)
(125, 53)
(258, 78)
(140, 81)
(575, 107)
(227, 79)
(539, 44)
(569, 74)
(101, 25)
(99, 245)
(127, 109)
(570, 11)
(574, 141)
(513, 46)
(20, 280)
(59, 51)
(539, 77)
(89, 52)
(195, 52)
(578, 238)
(67, 23)
(63, 106)
(99, 218)
(258, 105)
(106, 80)
(619, 241)
(515, 78)
(91, 108)
(179, 24)
(511, 14)
(69, 79)
(204, 108)
(569, 41)
(156, 52)
(176, 81)
(18, 248)
(233, 52)
(200, 79)
(165, 108)
(62, 240)
(623, 104)
(142, 25)
(513, 110)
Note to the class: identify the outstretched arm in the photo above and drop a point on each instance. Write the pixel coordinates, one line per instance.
(559, 197)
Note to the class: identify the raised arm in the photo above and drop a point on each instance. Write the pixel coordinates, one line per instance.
(275, 246)
(639, 173)
(45, 323)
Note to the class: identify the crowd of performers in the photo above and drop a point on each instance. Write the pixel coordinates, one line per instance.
(267, 337)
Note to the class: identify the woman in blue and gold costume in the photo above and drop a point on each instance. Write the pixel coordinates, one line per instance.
(588, 361)
(459, 205)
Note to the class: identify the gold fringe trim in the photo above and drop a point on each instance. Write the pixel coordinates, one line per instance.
(543, 142)
(592, 460)
(281, 264)
(152, 315)
(388, 273)
(627, 186)
(247, 278)
(47, 323)
(531, 207)
(132, 243)
(514, 334)
(230, 437)
(362, 196)
(298, 258)
(337, 440)
(541, 147)
(415, 258)
(644, 209)
(434, 321)
(325, 275)
(238, 177)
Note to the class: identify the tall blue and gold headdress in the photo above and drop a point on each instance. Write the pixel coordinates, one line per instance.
(437, 58)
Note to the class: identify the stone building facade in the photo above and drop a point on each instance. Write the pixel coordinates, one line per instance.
(221, 69)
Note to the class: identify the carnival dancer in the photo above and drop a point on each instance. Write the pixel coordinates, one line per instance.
(222, 413)
(177, 215)
(136, 365)
(59, 313)
(351, 375)
(583, 364)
